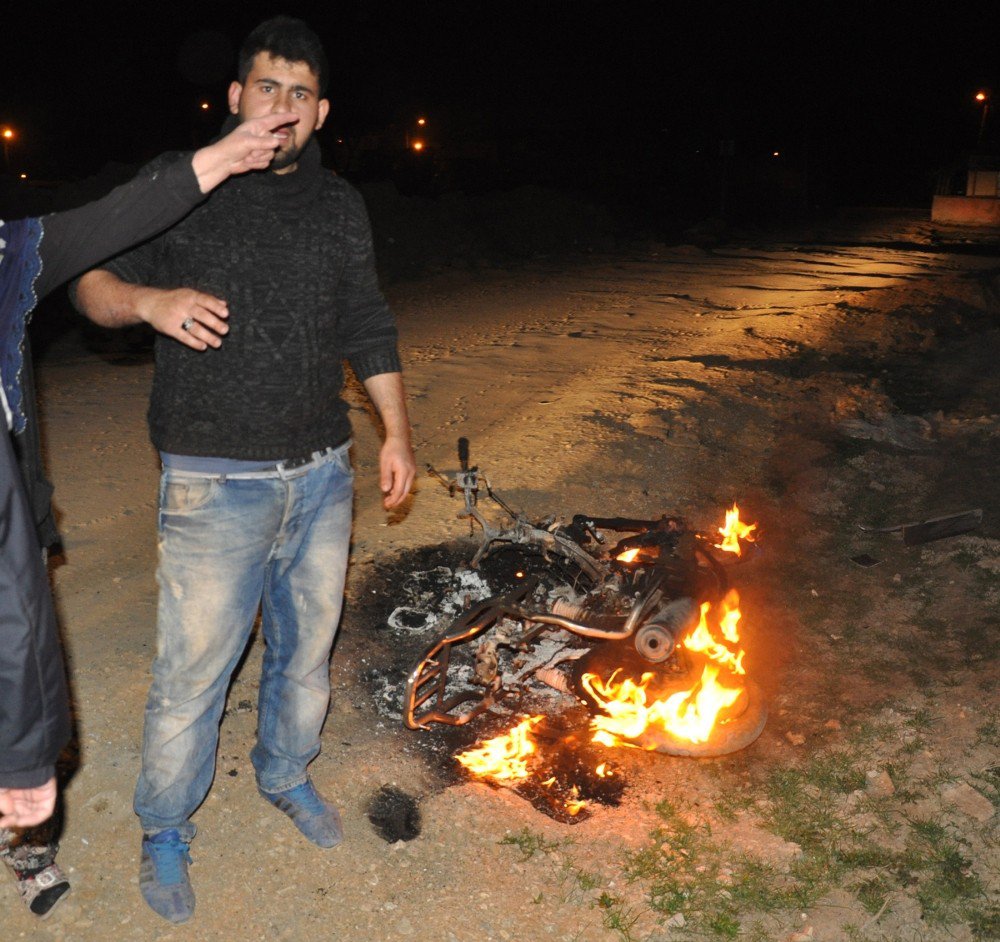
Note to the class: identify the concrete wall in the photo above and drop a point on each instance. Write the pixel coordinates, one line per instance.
(983, 183)
(966, 210)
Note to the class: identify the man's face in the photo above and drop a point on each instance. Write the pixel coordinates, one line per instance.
(275, 85)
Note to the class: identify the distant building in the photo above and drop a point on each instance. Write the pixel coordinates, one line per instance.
(968, 193)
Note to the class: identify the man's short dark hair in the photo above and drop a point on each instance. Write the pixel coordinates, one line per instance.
(284, 37)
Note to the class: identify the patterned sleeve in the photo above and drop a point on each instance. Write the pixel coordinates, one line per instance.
(366, 327)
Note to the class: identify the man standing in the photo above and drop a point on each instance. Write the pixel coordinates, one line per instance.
(257, 297)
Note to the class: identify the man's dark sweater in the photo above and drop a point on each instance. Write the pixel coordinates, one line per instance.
(291, 254)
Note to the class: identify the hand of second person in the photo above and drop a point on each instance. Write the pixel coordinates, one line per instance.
(252, 145)
(249, 146)
(196, 319)
(26, 807)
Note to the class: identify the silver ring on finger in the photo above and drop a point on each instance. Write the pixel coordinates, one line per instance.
(188, 323)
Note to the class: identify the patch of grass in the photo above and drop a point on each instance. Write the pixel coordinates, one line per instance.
(578, 884)
(985, 923)
(948, 883)
(873, 892)
(912, 746)
(724, 926)
(731, 803)
(757, 932)
(587, 880)
(874, 731)
(931, 623)
(853, 933)
(801, 799)
(618, 916)
(878, 668)
(864, 853)
(989, 732)
(529, 843)
(922, 720)
(990, 784)
(758, 886)
(978, 639)
(689, 871)
(920, 676)
(964, 558)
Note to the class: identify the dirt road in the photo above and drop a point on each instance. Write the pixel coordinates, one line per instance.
(821, 378)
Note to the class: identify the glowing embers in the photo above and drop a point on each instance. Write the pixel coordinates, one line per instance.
(639, 555)
(711, 710)
(549, 762)
(733, 531)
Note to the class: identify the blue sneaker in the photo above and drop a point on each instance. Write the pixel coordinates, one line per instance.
(315, 817)
(163, 876)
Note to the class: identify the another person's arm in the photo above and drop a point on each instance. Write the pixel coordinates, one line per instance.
(78, 239)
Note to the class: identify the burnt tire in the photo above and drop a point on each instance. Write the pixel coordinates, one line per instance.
(730, 736)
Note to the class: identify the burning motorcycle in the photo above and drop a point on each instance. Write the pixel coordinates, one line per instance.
(650, 623)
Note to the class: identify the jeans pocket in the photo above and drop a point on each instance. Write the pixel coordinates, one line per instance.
(341, 459)
(183, 495)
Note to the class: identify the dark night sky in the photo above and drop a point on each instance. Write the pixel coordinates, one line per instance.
(876, 95)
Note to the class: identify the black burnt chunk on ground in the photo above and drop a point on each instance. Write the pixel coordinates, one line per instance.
(577, 768)
(394, 814)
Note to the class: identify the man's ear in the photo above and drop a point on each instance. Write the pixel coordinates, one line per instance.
(235, 90)
(322, 110)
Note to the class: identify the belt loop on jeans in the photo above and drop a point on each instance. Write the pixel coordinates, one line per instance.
(293, 464)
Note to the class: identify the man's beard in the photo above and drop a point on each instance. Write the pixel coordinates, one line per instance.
(285, 158)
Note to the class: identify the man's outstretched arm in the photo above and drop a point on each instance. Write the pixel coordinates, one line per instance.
(397, 466)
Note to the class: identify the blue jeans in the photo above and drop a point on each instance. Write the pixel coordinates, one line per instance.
(228, 546)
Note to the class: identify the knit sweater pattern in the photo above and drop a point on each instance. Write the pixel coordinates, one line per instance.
(291, 254)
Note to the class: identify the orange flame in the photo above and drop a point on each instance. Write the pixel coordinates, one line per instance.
(504, 757)
(702, 641)
(639, 554)
(687, 714)
(574, 804)
(734, 531)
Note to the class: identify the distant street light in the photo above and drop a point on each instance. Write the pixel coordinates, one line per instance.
(204, 106)
(7, 135)
(412, 142)
(984, 99)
